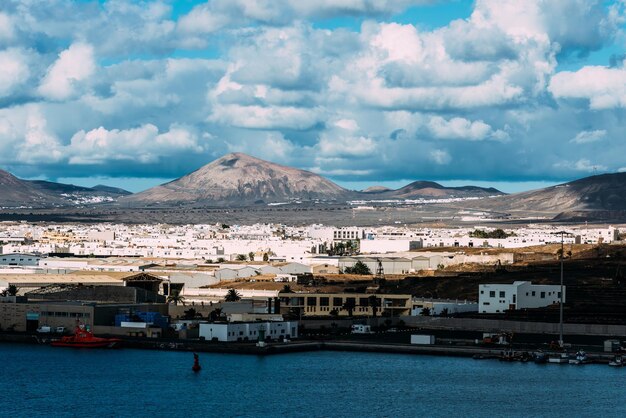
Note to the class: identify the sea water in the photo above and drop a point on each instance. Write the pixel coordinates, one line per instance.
(55, 382)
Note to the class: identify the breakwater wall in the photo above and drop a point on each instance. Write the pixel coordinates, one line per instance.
(518, 327)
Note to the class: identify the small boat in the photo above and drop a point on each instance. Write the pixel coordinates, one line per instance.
(581, 358)
(561, 358)
(540, 357)
(83, 338)
(618, 361)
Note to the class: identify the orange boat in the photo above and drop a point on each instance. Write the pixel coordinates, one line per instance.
(84, 338)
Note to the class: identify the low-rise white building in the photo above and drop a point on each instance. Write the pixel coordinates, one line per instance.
(442, 306)
(497, 298)
(249, 331)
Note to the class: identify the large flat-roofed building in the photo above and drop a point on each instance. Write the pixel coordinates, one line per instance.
(20, 260)
(497, 298)
(344, 304)
(28, 316)
(249, 331)
(24, 317)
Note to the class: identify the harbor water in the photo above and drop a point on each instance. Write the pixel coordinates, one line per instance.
(45, 381)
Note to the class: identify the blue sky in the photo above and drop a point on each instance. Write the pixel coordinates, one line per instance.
(514, 94)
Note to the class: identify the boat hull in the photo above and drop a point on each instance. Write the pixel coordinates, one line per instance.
(87, 344)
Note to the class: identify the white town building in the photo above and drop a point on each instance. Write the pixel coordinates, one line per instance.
(497, 298)
(249, 331)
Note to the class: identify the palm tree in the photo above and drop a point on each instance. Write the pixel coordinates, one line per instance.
(175, 298)
(251, 256)
(241, 257)
(349, 306)
(232, 296)
(374, 302)
(286, 289)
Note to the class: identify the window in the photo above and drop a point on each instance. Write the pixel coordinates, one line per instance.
(514, 297)
(486, 303)
(502, 294)
(533, 293)
(543, 295)
(482, 292)
(324, 301)
(492, 293)
(311, 301)
(558, 295)
(363, 302)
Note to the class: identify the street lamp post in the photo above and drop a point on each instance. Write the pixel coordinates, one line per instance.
(561, 298)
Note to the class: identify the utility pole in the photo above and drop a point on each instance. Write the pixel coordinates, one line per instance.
(561, 301)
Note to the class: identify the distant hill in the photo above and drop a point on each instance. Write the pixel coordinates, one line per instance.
(428, 190)
(15, 192)
(239, 179)
(602, 193)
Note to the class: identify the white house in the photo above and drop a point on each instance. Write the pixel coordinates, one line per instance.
(249, 331)
(496, 298)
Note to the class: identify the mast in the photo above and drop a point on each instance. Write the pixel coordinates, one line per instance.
(561, 301)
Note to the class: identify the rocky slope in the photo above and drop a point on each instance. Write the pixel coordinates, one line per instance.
(15, 192)
(605, 192)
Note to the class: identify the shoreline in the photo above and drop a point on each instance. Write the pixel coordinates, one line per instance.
(274, 348)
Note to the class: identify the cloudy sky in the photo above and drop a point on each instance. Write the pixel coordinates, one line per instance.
(504, 92)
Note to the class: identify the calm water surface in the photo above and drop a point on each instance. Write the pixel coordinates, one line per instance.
(45, 381)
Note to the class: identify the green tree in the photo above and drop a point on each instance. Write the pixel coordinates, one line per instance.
(11, 290)
(251, 256)
(425, 312)
(266, 257)
(334, 313)
(191, 313)
(241, 257)
(220, 260)
(349, 306)
(361, 268)
(215, 314)
(286, 289)
(175, 298)
(232, 296)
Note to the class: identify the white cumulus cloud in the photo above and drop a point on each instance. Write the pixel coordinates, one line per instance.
(143, 144)
(74, 65)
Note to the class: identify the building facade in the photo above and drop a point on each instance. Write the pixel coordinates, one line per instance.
(345, 304)
(249, 331)
(497, 298)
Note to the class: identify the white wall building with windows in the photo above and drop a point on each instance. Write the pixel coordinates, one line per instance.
(497, 298)
(249, 331)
